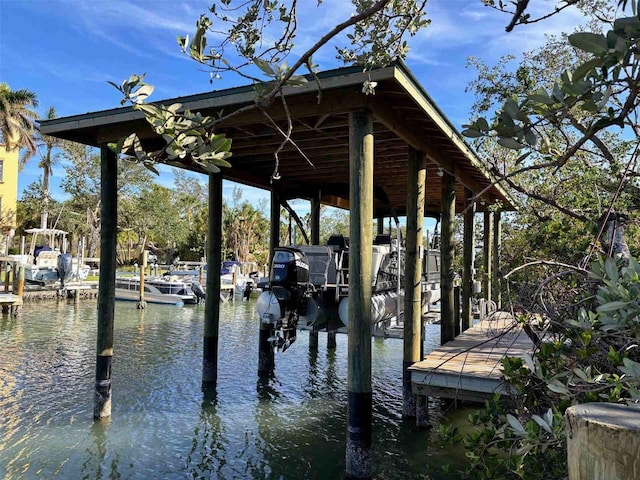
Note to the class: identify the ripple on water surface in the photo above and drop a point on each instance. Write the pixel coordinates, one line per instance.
(163, 426)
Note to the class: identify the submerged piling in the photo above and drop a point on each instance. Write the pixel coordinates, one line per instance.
(447, 312)
(106, 293)
(413, 275)
(212, 294)
(359, 454)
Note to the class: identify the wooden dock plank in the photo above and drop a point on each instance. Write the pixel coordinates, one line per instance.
(10, 299)
(468, 367)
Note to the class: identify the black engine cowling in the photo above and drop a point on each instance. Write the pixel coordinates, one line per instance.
(289, 276)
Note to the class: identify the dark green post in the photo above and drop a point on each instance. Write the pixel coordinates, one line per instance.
(495, 257)
(107, 290)
(380, 226)
(417, 167)
(315, 240)
(359, 455)
(488, 251)
(467, 261)
(212, 292)
(447, 314)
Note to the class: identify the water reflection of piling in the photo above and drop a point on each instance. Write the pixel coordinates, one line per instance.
(207, 455)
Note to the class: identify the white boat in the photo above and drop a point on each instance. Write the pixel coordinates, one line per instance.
(43, 264)
(245, 285)
(169, 290)
(309, 286)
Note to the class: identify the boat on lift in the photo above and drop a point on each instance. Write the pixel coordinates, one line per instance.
(47, 260)
(309, 286)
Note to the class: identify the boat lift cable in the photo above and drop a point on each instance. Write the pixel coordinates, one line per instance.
(295, 216)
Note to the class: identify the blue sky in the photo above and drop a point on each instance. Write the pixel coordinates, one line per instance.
(66, 51)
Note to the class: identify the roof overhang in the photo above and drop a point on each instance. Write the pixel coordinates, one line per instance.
(404, 115)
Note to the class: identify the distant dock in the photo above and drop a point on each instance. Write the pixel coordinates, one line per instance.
(468, 367)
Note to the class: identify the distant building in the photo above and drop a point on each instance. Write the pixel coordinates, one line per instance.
(8, 190)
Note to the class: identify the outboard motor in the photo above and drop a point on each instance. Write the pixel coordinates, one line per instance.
(198, 291)
(289, 276)
(64, 268)
(288, 297)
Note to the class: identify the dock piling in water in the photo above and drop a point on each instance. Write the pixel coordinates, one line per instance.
(359, 454)
(106, 293)
(413, 275)
(212, 294)
(447, 317)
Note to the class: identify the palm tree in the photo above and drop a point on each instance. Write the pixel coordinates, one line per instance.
(17, 118)
(48, 158)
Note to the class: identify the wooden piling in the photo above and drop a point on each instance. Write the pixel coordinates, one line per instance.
(359, 454)
(142, 304)
(20, 283)
(467, 260)
(417, 167)
(495, 258)
(106, 293)
(315, 240)
(422, 411)
(331, 340)
(7, 276)
(487, 255)
(447, 317)
(603, 441)
(212, 292)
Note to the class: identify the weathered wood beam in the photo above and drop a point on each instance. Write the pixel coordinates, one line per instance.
(495, 257)
(447, 314)
(359, 455)
(467, 262)
(413, 275)
(487, 256)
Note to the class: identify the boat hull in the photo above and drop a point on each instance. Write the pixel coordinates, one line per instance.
(161, 299)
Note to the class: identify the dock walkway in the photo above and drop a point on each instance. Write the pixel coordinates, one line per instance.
(468, 367)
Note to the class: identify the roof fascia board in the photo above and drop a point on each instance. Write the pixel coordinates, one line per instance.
(417, 93)
(220, 99)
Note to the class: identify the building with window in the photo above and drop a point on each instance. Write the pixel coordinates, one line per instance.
(8, 189)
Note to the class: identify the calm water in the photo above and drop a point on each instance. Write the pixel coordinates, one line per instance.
(163, 426)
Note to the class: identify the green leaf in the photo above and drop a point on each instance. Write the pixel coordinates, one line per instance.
(541, 98)
(542, 423)
(482, 124)
(516, 426)
(509, 142)
(612, 269)
(151, 168)
(557, 387)
(587, 67)
(589, 42)
(471, 133)
(612, 306)
(264, 66)
(511, 108)
(529, 361)
(297, 80)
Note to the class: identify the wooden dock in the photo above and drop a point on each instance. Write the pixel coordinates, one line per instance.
(468, 367)
(10, 303)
